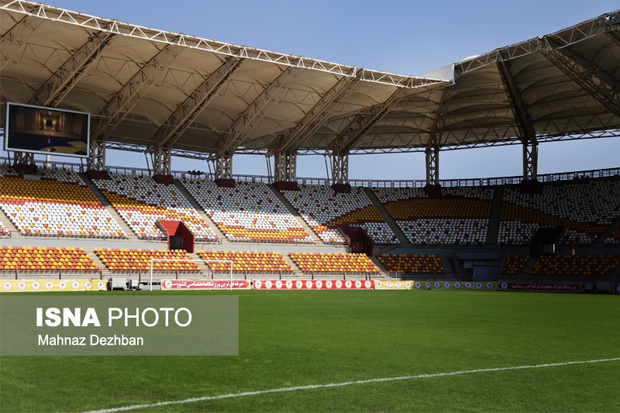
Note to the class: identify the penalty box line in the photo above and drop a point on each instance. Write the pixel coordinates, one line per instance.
(348, 383)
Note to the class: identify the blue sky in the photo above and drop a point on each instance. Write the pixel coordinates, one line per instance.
(400, 36)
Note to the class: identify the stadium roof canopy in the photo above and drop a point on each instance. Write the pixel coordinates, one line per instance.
(148, 88)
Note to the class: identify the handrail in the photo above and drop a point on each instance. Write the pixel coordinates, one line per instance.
(369, 183)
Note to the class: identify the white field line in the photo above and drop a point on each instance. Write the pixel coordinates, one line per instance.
(347, 383)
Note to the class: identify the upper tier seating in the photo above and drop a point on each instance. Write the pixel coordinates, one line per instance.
(514, 264)
(310, 262)
(125, 260)
(411, 263)
(141, 202)
(585, 208)
(579, 265)
(56, 203)
(244, 261)
(45, 259)
(248, 212)
(460, 216)
(324, 210)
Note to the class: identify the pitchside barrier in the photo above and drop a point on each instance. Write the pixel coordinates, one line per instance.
(11, 286)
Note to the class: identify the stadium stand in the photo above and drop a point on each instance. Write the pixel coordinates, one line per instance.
(324, 210)
(124, 260)
(413, 264)
(247, 261)
(584, 208)
(337, 263)
(30, 259)
(460, 216)
(248, 212)
(55, 202)
(141, 202)
(576, 265)
(514, 264)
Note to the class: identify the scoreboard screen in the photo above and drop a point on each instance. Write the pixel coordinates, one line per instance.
(45, 130)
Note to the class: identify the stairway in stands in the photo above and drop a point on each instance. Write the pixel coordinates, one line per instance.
(106, 203)
(295, 214)
(201, 212)
(496, 214)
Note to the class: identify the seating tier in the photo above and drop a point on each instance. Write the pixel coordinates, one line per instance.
(411, 263)
(45, 259)
(584, 209)
(333, 263)
(514, 264)
(579, 265)
(460, 216)
(248, 212)
(140, 259)
(324, 210)
(56, 203)
(141, 202)
(246, 261)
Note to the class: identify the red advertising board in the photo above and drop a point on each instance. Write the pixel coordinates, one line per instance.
(542, 287)
(204, 285)
(313, 285)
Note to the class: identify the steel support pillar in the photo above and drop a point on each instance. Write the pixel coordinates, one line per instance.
(161, 158)
(223, 167)
(340, 168)
(96, 158)
(285, 167)
(433, 186)
(68, 75)
(23, 158)
(602, 86)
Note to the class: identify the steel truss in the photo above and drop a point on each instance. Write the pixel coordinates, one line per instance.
(599, 84)
(13, 39)
(68, 75)
(435, 134)
(183, 116)
(285, 167)
(121, 104)
(590, 28)
(527, 134)
(44, 11)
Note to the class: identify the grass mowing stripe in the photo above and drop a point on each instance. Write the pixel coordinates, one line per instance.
(349, 383)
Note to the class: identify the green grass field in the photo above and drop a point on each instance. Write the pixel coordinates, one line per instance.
(301, 338)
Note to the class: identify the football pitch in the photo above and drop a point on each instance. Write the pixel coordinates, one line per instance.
(302, 351)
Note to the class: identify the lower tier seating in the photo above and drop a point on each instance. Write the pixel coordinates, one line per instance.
(411, 263)
(514, 264)
(140, 259)
(310, 262)
(591, 265)
(45, 259)
(246, 261)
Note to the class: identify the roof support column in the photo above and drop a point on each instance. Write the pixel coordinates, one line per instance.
(525, 126)
(433, 188)
(340, 172)
(161, 158)
(285, 167)
(223, 170)
(96, 160)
